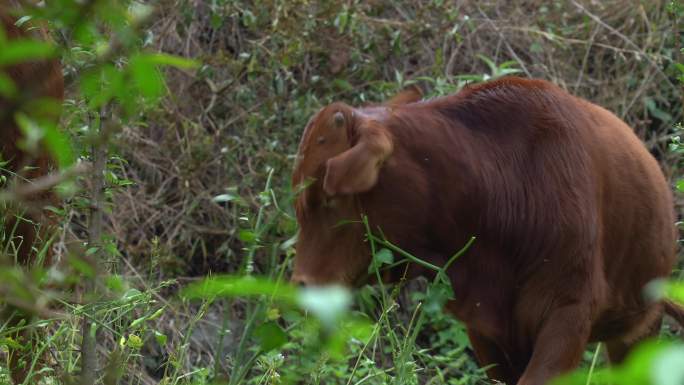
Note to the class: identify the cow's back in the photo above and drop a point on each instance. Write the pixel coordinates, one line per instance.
(540, 177)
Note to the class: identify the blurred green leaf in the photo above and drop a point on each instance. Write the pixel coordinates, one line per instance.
(342, 85)
(101, 85)
(668, 367)
(656, 111)
(654, 362)
(229, 198)
(31, 131)
(146, 76)
(327, 303)
(115, 283)
(163, 59)
(7, 87)
(82, 267)
(680, 185)
(58, 145)
(134, 342)
(341, 20)
(137, 322)
(247, 236)
(10, 343)
(356, 330)
(270, 336)
(24, 50)
(157, 313)
(23, 20)
(239, 286)
(160, 337)
(662, 288)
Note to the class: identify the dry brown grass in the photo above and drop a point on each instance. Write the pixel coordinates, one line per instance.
(221, 127)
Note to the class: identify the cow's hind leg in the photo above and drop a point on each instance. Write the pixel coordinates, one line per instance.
(646, 327)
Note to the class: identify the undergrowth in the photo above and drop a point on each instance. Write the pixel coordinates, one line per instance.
(197, 169)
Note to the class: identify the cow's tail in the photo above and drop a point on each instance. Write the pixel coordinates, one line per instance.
(675, 311)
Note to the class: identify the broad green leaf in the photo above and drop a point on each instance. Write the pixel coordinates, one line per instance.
(146, 76)
(171, 60)
(662, 288)
(237, 286)
(7, 87)
(668, 366)
(160, 337)
(34, 131)
(356, 330)
(23, 50)
(651, 363)
(10, 343)
(680, 67)
(131, 295)
(227, 197)
(341, 20)
(82, 267)
(327, 303)
(137, 322)
(248, 18)
(490, 63)
(59, 146)
(134, 342)
(342, 84)
(270, 336)
(31, 132)
(680, 185)
(382, 257)
(115, 283)
(157, 313)
(103, 84)
(656, 111)
(247, 236)
(138, 11)
(437, 295)
(22, 20)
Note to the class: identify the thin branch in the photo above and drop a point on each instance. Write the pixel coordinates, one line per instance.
(23, 192)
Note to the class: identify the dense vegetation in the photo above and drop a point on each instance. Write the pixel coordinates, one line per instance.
(188, 114)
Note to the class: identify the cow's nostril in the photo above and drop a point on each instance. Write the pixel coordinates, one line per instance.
(298, 281)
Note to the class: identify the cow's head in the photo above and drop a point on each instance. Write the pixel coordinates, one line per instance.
(340, 156)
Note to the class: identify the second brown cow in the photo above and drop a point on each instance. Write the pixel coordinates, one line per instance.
(34, 80)
(572, 216)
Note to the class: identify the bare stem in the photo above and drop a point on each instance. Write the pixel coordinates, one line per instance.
(89, 342)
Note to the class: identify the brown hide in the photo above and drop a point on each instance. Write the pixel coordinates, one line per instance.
(33, 80)
(572, 216)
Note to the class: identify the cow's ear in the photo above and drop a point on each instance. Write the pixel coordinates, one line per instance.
(356, 169)
(410, 94)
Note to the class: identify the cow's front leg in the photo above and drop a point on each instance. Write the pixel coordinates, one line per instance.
(559, 344)
(489, 354)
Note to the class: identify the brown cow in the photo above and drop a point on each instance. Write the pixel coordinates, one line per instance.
(572, 216)
(33, 80)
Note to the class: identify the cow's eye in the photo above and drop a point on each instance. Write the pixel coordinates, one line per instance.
(320, 139)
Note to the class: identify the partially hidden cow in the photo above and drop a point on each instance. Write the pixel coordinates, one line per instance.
(33, 80)
(572, 216)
